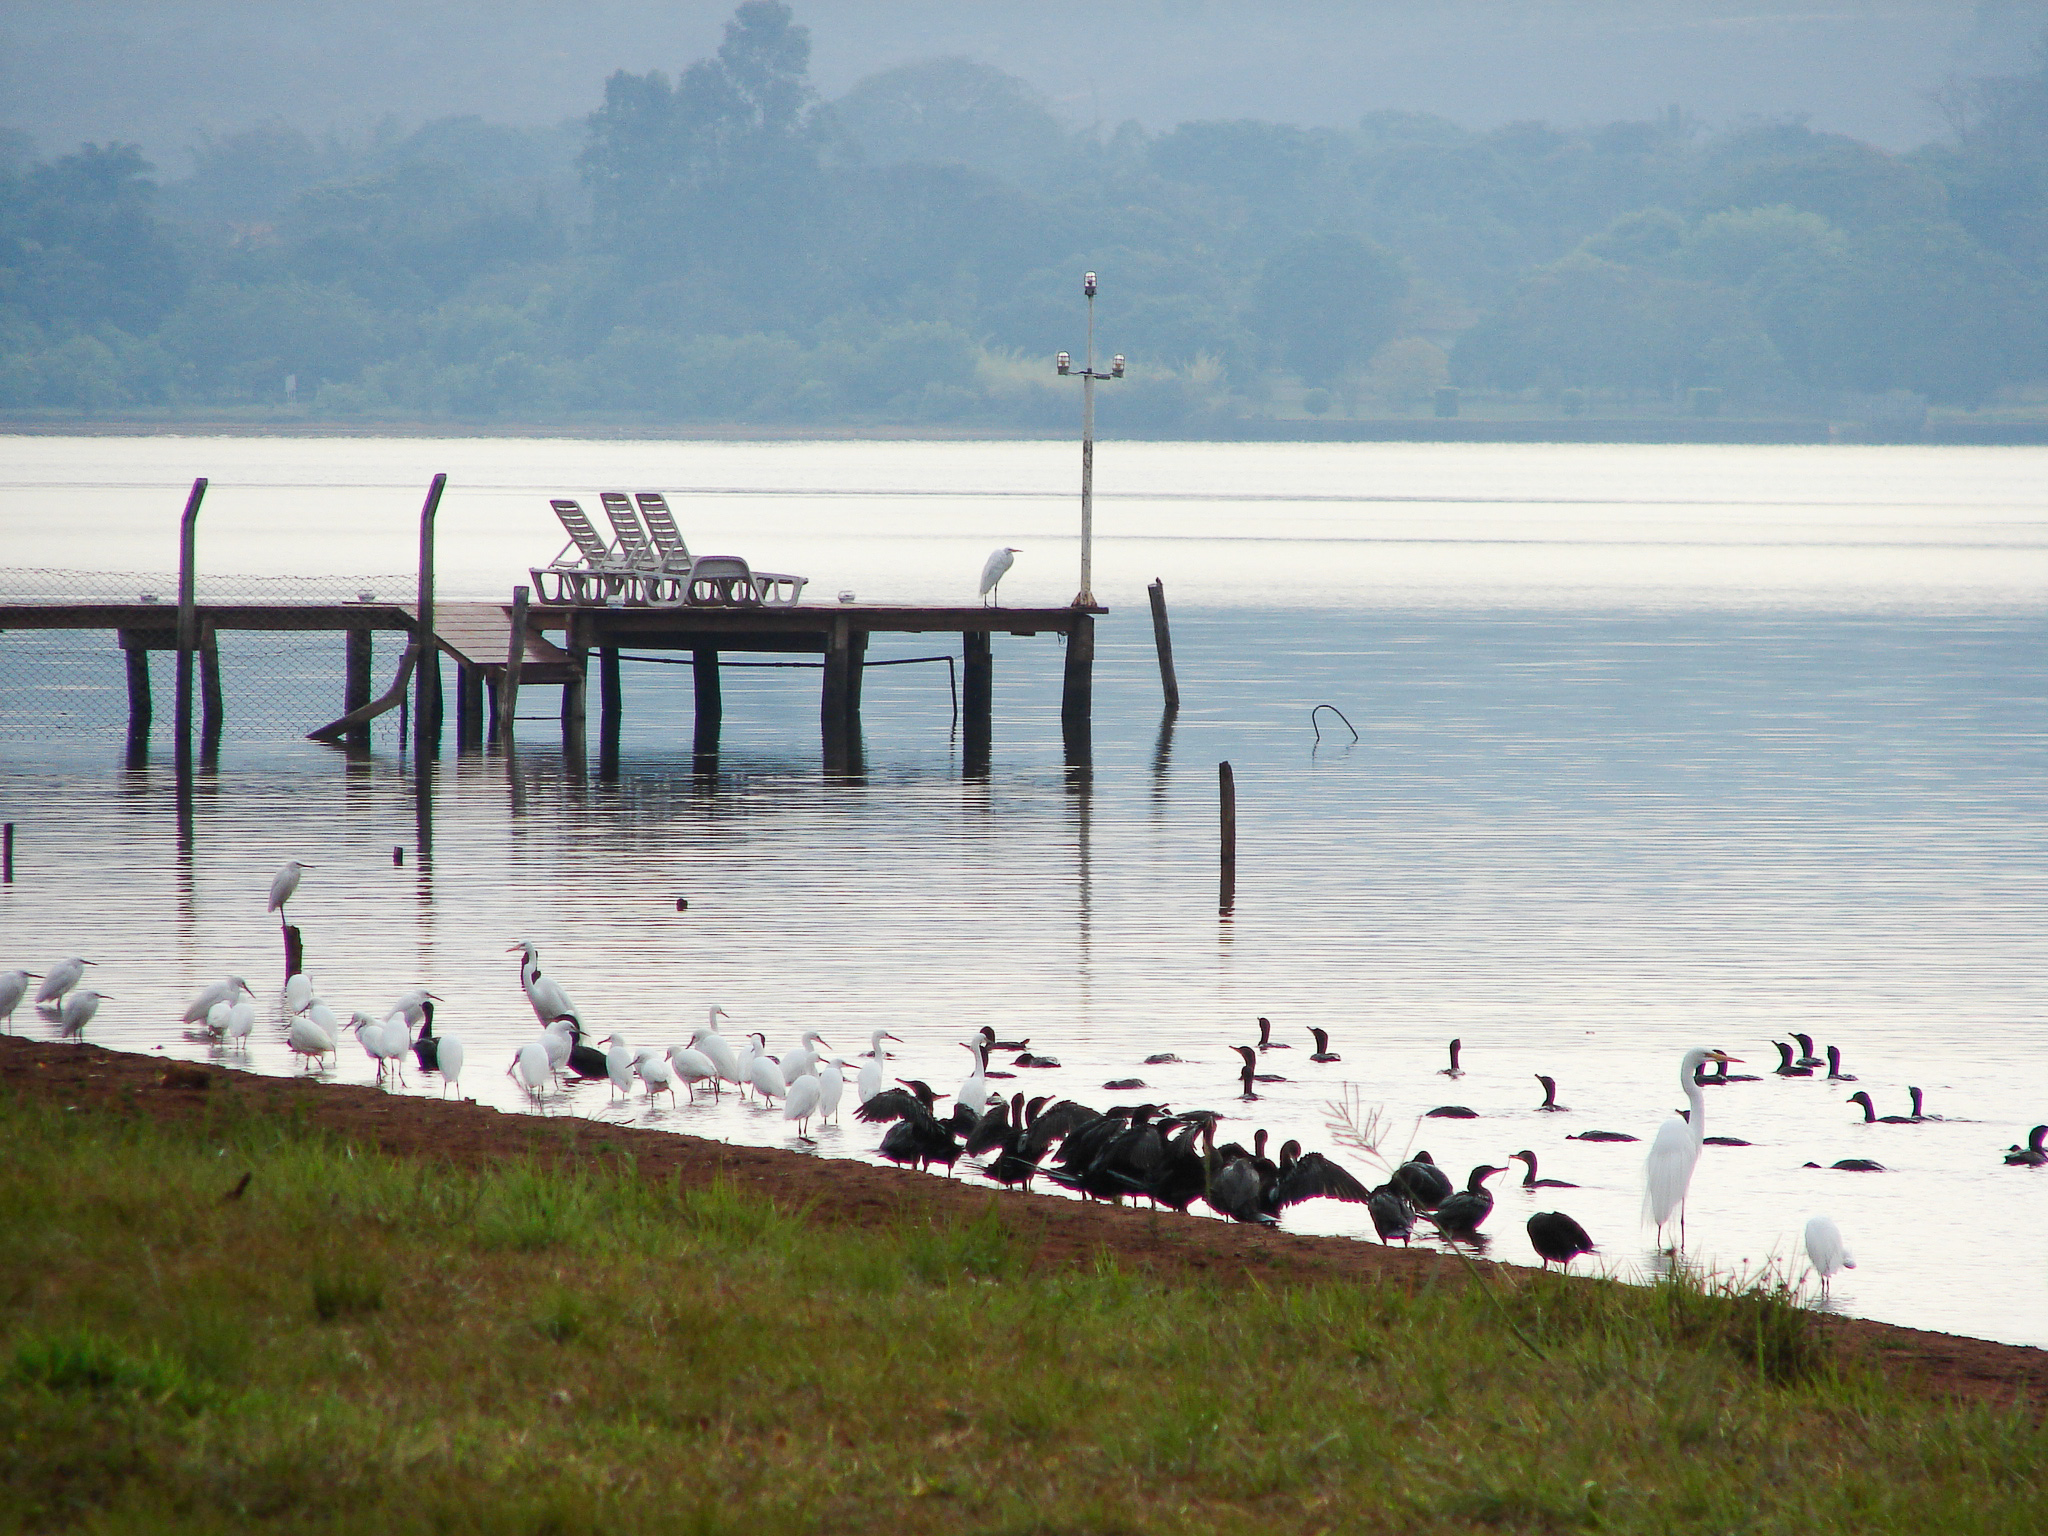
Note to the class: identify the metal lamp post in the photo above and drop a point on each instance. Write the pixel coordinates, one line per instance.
(1086, 597)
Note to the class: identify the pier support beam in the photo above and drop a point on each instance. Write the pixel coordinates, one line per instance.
(212, 708)
(141, 707)
(469, 708)
(515, 658)
(1077, 698)
(610, 710)
(977, 696)
(839, 699)
(574, 718)
(355, 688)
(710, 703)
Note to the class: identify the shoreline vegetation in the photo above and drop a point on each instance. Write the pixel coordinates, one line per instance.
(1961, 433)
(281, 1305)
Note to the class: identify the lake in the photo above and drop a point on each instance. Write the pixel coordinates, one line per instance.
(1659, 746)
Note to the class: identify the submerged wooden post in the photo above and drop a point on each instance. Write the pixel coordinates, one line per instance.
(1162, 638)
(188, 618)
(141, 707)
(1077, 698)
(515, 657)
(573, 706)
(610, 697)
(977, 696)
(211, 708)
(832, 696)
(469, 707)
(427, 684)
(294, 952)
(1226, 789)
(355, 686)
(709, 700)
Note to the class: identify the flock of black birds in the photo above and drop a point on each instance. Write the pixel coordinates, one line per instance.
(1143, 1151)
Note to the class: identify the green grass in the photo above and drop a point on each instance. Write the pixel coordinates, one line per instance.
(364, 1344)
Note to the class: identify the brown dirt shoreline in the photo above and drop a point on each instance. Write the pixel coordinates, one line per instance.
(841, 1192)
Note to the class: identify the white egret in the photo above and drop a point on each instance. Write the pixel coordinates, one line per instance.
(61, 978)
(310, 1035)
(79, 1008)
(298, 991)
(717, 1047)
(558, 1039)
(801, 1103)
(831, 1084)
(993, 572)
(241, 1019)
(653, 1069)
(618, 1065)
(370, 1035)
(413, 1005)
(217, 1020)
(13, 988)
(227, 990)
(282, 884)
(763, 1072)
(1825, 1248)
(803, 1061)
(748, 1053)
(530, 1069)
(869, 1083)
(548, 1000)
(448, 1062)
(693, 1067)
(972, 1094)
(1667, 1172)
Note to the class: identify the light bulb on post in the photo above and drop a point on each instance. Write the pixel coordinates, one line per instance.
(1116, 366)
(1064, 362)
(1088, 284)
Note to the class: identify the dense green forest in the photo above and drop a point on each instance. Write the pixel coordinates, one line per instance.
(724, 246)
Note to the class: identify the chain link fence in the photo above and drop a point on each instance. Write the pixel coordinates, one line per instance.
(276, 685)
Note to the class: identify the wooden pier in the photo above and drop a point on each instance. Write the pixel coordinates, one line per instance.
(477, 637)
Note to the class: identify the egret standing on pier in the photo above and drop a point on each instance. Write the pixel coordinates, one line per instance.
(994, 571)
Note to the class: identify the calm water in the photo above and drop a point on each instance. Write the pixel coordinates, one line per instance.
(1661, 747)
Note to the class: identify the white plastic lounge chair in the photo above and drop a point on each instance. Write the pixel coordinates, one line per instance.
(723, 580)
(594, 577)
(769, 587)
(637, 553)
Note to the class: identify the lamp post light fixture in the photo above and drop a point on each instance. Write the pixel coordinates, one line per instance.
(1085, 598)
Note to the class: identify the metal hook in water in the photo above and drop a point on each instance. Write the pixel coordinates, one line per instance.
(1333, 709)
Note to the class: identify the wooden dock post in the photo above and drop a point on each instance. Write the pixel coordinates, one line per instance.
(355, 686)
(1226, 792)
(610, 709)
(469, 708)
(836, 712)
(188, 619)
(515, 655)
(1162, 638)
(211, 707)
(427, 681)
(141, 707)
(710, 703)
(977, 698)
(573, 703)
(1077, 697)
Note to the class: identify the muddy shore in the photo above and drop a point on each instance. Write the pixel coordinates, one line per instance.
(1060, 1232)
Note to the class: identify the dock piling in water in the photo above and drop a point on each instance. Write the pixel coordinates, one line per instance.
(1226, 790)
(1162, 639)
(515, 656)
(977, 696)
(1077, 696)
(710, 702)
(355, 687)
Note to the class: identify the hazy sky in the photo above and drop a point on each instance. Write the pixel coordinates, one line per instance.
(163, 72)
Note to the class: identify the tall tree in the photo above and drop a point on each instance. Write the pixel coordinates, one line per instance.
(1327, 303)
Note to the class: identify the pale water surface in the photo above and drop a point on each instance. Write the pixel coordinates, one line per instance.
(1661, 747)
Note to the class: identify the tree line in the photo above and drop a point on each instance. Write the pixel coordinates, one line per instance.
(726, 246)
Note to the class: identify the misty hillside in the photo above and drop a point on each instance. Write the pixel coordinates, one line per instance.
(774, 216)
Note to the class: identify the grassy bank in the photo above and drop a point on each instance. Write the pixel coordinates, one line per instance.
(367, 1343)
